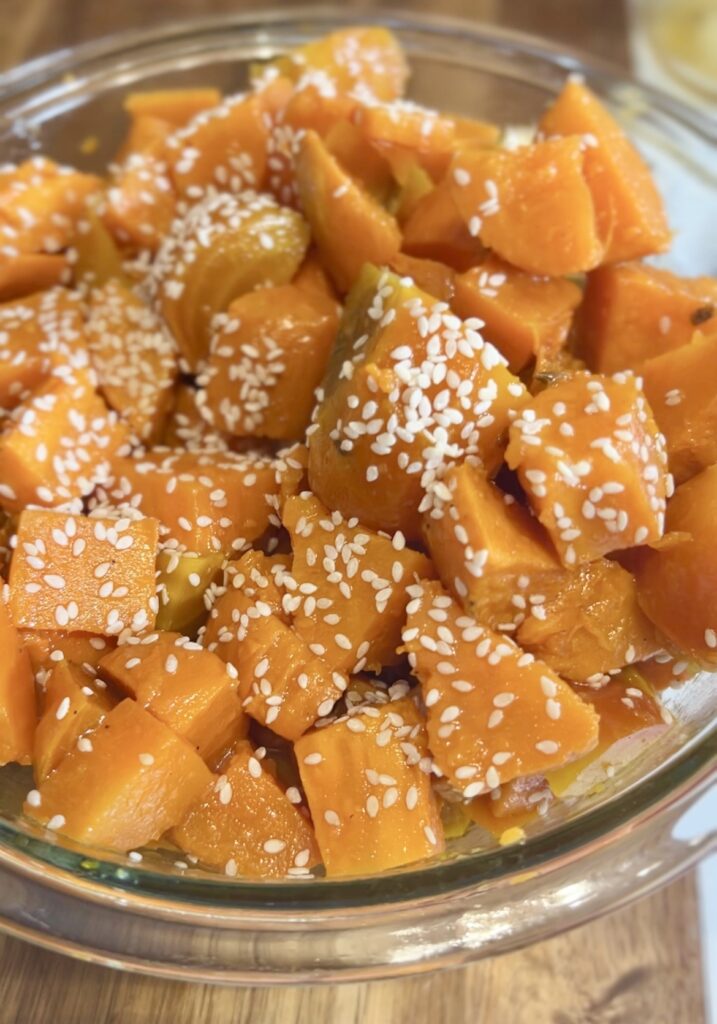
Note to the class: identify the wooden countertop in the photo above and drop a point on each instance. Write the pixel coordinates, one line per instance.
(640, 964)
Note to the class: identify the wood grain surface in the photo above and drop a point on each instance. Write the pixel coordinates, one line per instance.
(641, 964)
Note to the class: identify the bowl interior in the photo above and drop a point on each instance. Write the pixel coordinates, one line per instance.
(54, 106)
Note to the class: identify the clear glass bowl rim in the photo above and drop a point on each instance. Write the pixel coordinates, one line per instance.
(59, 76)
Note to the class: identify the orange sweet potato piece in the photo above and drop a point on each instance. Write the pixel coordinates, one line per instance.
(262, 578)
(93, 575)
(311, 277)
(177, 106)
(83, 649)
(138, 780)
(141, 200)
(371, 448)
(635, 312)
(417, 184)
(183, 685)
(525, 317)
(290, 466)
(383, 813)
(677, 584)
(245, 825)
(531, 205)
(431, 276)
(630, 217)
(133, 356)
(185, 426)
(147, 134)
(593, 465)
(406, 134)
(360, 580)
(266, 358)
(347, 144)
(226, 245)
(206, 501)
(55, 446)
(679, 386)
(32, 272)
(433, 228)
(494, 712)
(348, 225)
(72, 705)
(98, 259)
(18, 713)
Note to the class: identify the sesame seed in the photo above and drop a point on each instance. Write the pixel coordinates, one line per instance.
(56, 821)
(332, 818)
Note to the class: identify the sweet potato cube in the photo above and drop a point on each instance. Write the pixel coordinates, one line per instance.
(138, 780)
(262, 578)
(177, 106)
(290, 466)
(17, 694)
(141, 200)
(352, 584)
(494, 712)
(382, 814)
(347, 144)
(525, 317)
(224, 246)
(410, 387)
(72, 705)
(635, 312)
(679, 386)
(431, 276)
(98, 259)
(267, 356)
(47, 648)
(182, 580)
(677, 584)
(133, 356)
(405, 134)
(206, 501)
(348, 225)
(185, 426)
(183, 685)
(244, 825)
(433, 227)
(39, 211)
(32, 272)
(593, 465)
(630, 217)
(55, 446)
(87, 574)
(532, 205)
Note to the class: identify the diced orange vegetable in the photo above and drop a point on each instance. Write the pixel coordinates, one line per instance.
(630, 216)
(18, 713)
(593, 465)
(266, 358)
(347, 144)
(245, 825)
(138, 780)
(361, 578)
(506, 811)
(262, 578)
(290, 465)
(133, 356)
(531, 205)
(88, 574)
(432, 277)
(494, 712)
(382, 813)
(524, 316)
(147, 135)
(206, 501)
(311, 277)
(72, 705)
(141, 200)
(434, 229)
(406, 134)
(182, 581)
(56, 445)
(679, 386)
(371, 451)
(348, 225)
(226, 245)
(98, 259)
(676, 584)
(185, 426)
(32, 272)
(183, 685)
(83, 649)
(174, 105)
(634, 312)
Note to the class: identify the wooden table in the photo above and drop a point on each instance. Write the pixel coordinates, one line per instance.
(640, 964)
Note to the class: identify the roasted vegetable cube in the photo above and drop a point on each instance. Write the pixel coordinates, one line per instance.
(433, 227)
(17, 694)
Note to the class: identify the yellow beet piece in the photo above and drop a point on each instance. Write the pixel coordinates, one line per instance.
(593, 465)
(382, 813)
(138, 780)
(181, 684)
(18, 713)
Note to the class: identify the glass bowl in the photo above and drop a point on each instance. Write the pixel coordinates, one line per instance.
(610, 845)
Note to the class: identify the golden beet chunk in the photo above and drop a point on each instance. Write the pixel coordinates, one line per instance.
(85, 574)
(531, 205)
(137, 780)
(267, 356)
(224, 246)
(351, 583)
(593, 465)
(677, 583)
(634, 312)
(73, 703)
(410, 389)
(181, 684)
(630, 216)
(380, 812)
(679, 386)
(494, 712)
(18, 713)
(525, 317)
(245, 825)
